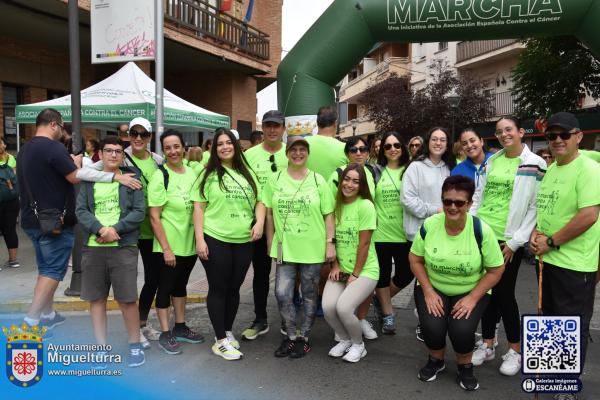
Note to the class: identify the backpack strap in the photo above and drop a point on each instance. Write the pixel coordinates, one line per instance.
(478, 231)
(339, 175)
(423, 231)
(375, 171)
(165, 175)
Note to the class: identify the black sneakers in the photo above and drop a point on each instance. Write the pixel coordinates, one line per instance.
(284, 349)
(465, 378)
(167, 342)
(299, 348)
(429, 372)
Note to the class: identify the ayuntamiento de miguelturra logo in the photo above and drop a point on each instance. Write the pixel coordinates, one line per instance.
(24, 354)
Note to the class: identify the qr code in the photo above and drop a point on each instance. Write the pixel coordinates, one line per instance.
(551, 344)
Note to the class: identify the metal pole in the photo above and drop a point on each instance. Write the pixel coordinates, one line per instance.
(75, 76)
(159, 72)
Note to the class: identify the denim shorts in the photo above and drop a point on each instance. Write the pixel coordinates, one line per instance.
(52, 252)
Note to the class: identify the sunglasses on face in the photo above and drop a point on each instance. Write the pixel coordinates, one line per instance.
(547, 157)
(388, 146)
(551, 136)
(143, 134)
(272, 161)
(415, 145)
(355, 149)
(457, 203)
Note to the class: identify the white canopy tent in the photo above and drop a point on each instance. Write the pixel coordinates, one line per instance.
(126, 94)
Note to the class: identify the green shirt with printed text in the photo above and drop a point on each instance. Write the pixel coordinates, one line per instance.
(147, 167)
(389, 209)
(259, 160)
(106, 209)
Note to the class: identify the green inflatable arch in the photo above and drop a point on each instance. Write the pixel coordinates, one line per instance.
(349, 28)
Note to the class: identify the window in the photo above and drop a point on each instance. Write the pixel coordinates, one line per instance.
(11, 96)
(442, 46)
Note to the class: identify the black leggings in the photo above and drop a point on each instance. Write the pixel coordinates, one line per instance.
(399, 252)
(226, 270)
(261, 262)
(173, 280)
(151, 277)
(9, 211)
(504, 304)
(461, 331)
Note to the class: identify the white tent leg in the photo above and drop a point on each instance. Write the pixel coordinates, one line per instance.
(18, 139)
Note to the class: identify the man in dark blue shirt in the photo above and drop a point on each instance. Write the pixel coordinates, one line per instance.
(47, 173)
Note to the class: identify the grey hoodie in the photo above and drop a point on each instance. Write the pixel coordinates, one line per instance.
(422, 193)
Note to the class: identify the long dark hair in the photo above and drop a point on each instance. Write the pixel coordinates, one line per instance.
(472, 130)
(404, 157)
(447, 157)
(363, 188)
(238, 163)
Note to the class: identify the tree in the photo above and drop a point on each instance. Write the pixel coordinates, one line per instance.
(554, 74)
(394, 106)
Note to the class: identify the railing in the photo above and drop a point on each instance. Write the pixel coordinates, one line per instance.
(375, 72)
(467, 50)
(502, 104)
(205, 20)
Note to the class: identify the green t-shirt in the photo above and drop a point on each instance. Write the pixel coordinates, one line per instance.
(326, 154)
(390, 227)
(301, 205)
(177, 209)
(197, 166)
(564, 190)
(106, 209)
(258, 160)
(229, 213)
(357, 216)
(11, 161)
(453, 263)
(148, 167)
(593, 154)
(334, 178)
(205, 157)
(497, 193)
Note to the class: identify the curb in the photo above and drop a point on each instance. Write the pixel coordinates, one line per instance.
(65, 304)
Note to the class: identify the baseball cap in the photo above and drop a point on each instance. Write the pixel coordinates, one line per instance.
(143, 122)
(563, 120)
(274, 116)
(294, 140)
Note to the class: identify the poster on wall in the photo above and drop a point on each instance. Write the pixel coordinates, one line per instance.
(122, 30)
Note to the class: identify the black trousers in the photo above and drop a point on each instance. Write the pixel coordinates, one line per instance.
(461, 331)
(9, 211)
(151, 277)
(173, 280)
(504, 303)
(398, 252)
(226, 270)
(261, 262)
(568, 292)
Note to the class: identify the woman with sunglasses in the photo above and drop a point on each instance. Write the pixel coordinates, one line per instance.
(169, 199)
(506, 201)
(414, 146)
(355, 272)
(390, 239)
(456, 260)
(357, 151)
(473, 146)
(228, 217)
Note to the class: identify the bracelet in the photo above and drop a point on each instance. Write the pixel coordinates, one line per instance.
(354, 275)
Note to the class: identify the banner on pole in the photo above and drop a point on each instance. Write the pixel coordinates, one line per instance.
(122, 30)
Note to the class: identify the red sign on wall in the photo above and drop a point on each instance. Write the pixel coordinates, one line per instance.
(225, 5)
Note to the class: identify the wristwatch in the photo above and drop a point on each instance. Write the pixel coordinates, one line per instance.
(550, 243)
(332, 240)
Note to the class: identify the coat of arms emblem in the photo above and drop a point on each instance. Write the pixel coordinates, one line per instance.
(24, 354)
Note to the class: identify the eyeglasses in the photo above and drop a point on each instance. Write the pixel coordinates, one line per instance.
(415, 145)
(457, 203)
(144, 135)
(388, 146)
(547, 157)
(272, 161)
(117, 152)
(361, 149)
(551, 136)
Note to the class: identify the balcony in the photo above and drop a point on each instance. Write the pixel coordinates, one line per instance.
(484, 49)
(502, 104)
(354, 88)
(205, 21)
(363, 127)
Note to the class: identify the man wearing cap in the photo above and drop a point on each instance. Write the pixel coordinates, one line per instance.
(568, 232)
(138, 156)
(300, 231)
(265, 160)
(326, 152)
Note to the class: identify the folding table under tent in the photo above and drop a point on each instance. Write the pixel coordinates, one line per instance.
(126, 94)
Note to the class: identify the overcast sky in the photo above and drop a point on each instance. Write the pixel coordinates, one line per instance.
(298, 16)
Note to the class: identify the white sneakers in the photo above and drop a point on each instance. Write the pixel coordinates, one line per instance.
(143, 341)
(482, 353)
(340, 349)
(226, 350)
(355, 353)
(511, 364)
(150, 333)
(367, 330)
(234, 342)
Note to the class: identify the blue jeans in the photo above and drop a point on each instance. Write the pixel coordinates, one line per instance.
(285, 281)
(52, 252)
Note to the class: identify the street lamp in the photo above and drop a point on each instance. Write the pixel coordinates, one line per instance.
(454, 102)
(354, 126)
